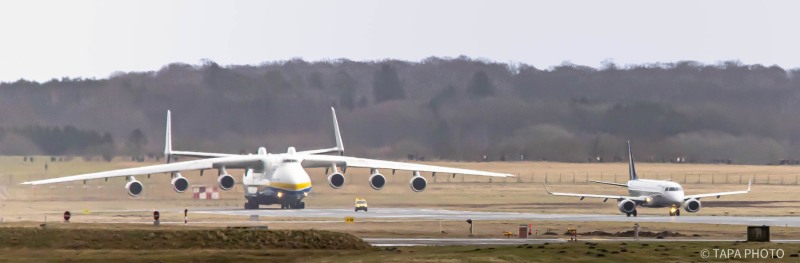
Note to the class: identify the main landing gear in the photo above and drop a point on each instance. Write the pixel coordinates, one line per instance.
(634, 213)
(298, 205)
(250, 205)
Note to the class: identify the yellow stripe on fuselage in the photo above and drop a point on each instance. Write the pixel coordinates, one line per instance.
(291, 187)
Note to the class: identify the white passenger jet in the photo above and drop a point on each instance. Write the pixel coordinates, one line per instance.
(270, 178)
(651, 193)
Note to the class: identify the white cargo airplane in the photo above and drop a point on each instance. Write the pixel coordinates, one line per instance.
(269, 178)
(651, 193)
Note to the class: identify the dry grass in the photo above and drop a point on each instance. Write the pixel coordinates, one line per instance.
(568, 252)
(522, 194)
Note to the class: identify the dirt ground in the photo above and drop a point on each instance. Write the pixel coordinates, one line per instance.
(774, 193)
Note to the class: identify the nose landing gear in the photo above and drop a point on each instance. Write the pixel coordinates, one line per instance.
(674, 211)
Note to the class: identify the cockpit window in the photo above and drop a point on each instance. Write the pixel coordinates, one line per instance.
(289, 160)
(672, 189)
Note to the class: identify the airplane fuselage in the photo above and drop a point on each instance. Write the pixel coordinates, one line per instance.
(282, 181)
(659, 193)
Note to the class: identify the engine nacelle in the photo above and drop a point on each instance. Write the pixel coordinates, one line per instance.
(418, 183)
(226, 182)
(180, 183)
(377, 181)
(627, 206)
(336, 180)
(134, 188)
(692, 205)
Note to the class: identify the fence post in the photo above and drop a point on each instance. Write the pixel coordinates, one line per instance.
(573, 177)
(587, 178)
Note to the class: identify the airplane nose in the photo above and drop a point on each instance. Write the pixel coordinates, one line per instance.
(678, 197)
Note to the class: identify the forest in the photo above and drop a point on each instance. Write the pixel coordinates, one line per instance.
(460, 108)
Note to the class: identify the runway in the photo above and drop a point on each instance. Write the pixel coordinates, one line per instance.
(440, 214)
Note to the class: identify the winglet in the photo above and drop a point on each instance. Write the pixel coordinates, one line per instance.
(631, 167)
(547, 190)
(749, 184)
(168, 137)
(339, 144)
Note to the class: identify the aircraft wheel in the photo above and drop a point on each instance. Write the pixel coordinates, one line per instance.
(678, 212)
(302, 205)
(634, 213)
(628, 214)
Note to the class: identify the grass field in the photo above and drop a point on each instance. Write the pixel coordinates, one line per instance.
(774, 193)
(521, 194)
(26, 242)
(580, 252)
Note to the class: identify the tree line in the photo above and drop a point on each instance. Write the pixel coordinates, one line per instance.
(438, 108)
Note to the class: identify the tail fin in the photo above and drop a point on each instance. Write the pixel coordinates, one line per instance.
(168, 138)
(339, 144)
(631, 167)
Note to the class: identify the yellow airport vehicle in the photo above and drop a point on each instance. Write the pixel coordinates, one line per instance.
(361, 204)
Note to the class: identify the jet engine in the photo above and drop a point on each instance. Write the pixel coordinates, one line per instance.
(627, 206)
(336, 180)
(418, 183)
(180, 183)
(134, 187)
(377, 181)
(692, 205)
(226, 181)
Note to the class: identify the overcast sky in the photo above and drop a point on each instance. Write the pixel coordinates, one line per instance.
(53, 39)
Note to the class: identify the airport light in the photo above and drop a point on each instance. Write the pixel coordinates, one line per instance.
(280, 194)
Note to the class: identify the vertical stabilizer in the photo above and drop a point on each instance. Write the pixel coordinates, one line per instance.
(168, 137)
(631, 167)
(339, 144)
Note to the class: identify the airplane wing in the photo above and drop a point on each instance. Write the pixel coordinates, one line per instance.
(616, 197)
(698, 196)
(234, 162)
(609, 183)
(311, 161)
